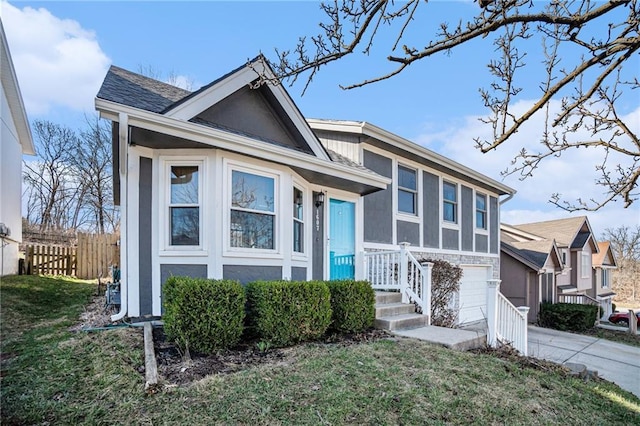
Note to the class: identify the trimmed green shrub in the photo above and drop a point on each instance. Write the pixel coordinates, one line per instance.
(287, 312)
(567, 316)
(353, 305)
(203, 315)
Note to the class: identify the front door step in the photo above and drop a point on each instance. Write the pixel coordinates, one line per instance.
(392, 314)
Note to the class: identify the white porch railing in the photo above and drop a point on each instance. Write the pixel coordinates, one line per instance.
(579, 299)
(505, 322)
(400, 270)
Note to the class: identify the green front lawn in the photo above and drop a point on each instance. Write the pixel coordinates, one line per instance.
(51, 375)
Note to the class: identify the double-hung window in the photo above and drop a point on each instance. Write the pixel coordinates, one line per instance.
(298, 221)
(184, 205)
(481, 211)
(450, 202)
(407, 190)
(606, 277)
(253, 213)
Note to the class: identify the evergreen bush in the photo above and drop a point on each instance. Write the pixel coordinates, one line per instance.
(352, 305)
(203, 315)
(567, 316)
(284, 313)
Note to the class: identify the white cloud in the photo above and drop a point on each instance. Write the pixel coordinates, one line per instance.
(58, 62)
(572, 175)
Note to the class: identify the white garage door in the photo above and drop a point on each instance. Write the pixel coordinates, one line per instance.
(473, 294)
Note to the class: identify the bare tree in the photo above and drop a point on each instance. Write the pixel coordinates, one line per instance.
(625, 244)
(69, 186)
(172, 77)
(51, 187)
(590, 65)
(93, 164)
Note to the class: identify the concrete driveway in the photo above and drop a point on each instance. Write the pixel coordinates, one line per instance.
(615, 362)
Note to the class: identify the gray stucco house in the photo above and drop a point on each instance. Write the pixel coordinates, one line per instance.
(232, 181)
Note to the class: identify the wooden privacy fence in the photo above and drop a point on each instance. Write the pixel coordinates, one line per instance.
(96, 254)
(91, 258)
(50, 260)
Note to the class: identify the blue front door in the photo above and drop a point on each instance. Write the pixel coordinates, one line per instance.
(342, 239)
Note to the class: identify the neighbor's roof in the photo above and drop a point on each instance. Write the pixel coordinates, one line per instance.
(564, 231)
(598, 259)
(535, 253)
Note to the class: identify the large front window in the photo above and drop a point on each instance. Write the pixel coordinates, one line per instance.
(407, 190)
(252, 210)
(450, 202)
(184, 205)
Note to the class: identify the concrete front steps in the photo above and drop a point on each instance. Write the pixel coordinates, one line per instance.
(401, 319)
(392, 314)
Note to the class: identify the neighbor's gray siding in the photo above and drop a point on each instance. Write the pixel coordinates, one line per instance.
(408, 232)
(481, 243)
(494, 225)
(298, 273)
(431, 209)
(466, 218)
(449, 239)
(144, 236)
(247, 273)
(378, 213)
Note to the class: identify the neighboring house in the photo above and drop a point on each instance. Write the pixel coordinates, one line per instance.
(603, 263)
(15, 140)
(231, 181)
(528, 269)
(562, 252)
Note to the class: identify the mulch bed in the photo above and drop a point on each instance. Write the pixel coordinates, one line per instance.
(175, 369)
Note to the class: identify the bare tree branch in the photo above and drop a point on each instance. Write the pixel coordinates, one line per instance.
(589, 47)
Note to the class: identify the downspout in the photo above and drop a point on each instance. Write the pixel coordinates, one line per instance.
(508, 198)
(123, 133)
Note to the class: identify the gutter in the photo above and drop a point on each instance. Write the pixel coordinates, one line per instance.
(235, 143)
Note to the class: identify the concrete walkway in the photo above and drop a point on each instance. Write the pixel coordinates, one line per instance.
(453, 338)
(616, 362)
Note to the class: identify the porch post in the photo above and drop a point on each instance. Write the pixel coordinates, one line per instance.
(426, 288)
(524, 310)
(493, 286)
(633, 323)
(403, 271)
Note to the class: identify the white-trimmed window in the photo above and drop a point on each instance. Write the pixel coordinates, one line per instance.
(564, 256)
(253, 212)
(184, 204)
(298, 220)
(481, 211)
(586, 265)
(449, 202)
(407, 190)
(606, 277)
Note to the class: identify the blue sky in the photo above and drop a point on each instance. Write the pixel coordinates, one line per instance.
(62, 50)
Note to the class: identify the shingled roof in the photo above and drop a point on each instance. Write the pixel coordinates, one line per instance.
(535, 253)
(564, 231)
(135, 90)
